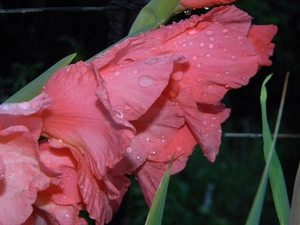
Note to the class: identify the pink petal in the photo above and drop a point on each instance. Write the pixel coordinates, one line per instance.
(51, 213)
(78, 118)
(101, 197)
(203, 3)
(205, 122)
(64, 189)
(154, 130)
(151, 172)
(25, 113)
(261, 37)
(134, 86)
(23, 177)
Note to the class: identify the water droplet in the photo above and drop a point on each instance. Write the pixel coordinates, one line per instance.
(179, 148)
(60, 141)
(233, 57)
(184, 45)
(153, 152)
(119, 114)
(227, 86)
(225, 31)
(208, 55)
(177, 75)
(209, 32)
(227, 72)
(188, 11)
(204, 94)
(210, 87)
(193, 31)
(129, 149)
(199, 65)
(127, 60)
(117, 73)
(147, 81)
(206, 8)
(136, 71)
(224, 49)
(211, 46)
(195, 57)
(191, 43)
(212, 39)
(204, 122)
(213, 118)
(126, 107)
(151, 61)
(201, 44)
(153, 48)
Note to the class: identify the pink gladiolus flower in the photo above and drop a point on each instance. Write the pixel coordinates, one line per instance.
(214, 53)
(20, 169)
(129, 111)
(95, 133)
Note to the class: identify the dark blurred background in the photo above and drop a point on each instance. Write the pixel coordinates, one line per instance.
(204, 193)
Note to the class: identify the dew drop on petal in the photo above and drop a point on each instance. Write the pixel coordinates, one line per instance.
(117, 73)
(151, 61)
(188, 11)
(126, 107)
(177, 76)
(129, 149)
(225, 31)
(147, 81)
(209, 32)
(193, 31)
(195, 57)
(233, 57)
(119, 114)
(136, 71)
(127, 60)
(208, 55)
(199, 65)
(211, 46)
(201, 44)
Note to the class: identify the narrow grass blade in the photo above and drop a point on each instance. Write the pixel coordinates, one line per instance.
(156, 12)
(35, 87)
(276, 176)
(295, 209)
(157, 208)
(272, 167)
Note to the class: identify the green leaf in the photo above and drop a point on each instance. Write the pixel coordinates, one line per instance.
(154, 14)
(35, 87)
(272, 167)
(295, 209)
(276, 176)
(156, 211)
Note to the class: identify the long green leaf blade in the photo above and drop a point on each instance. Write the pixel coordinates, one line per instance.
(295, 209)
(276, 176)
(157, 208)
(35, 87)
(155, 13)
(272, 167)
